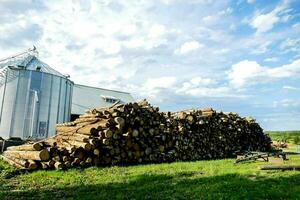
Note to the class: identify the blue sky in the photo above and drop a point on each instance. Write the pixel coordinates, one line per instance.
(241, 56)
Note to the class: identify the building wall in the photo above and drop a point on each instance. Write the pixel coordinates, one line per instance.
(32, 102)
(86, 97)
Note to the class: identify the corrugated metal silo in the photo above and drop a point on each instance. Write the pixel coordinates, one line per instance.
(33, 97)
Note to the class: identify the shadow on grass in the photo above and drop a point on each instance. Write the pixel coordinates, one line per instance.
(182, 186)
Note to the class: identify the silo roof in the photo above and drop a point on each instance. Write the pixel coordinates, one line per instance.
(28, 60)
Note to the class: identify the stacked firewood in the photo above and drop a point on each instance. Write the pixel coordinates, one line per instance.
(211, 135)
(138, 133)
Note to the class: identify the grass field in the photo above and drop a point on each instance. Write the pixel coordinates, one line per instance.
(218, 179)
(283, 135)
(289, 136)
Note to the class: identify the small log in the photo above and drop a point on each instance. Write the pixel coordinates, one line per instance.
(67, 129)
(91, 120)
(86, 146)
(96, 152)
(26, 147)
(88, 129)
(108, 133)
(280, 167)
(50, 142)
(77, 137)
(11, 162)
(135, 133)
(120, 121)
(42, 155)
(58, 165)
(95, 115)
(45, 165)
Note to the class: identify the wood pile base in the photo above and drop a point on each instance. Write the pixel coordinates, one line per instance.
(138, 133)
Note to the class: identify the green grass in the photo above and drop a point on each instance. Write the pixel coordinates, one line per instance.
(289, 136)
(283, 135)
(219, 179)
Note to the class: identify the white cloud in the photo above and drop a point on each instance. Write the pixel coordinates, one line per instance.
(261, 48)
(290, 44)
(265, 22)
(287, 87)
(215, 17)
(110, 46)
(296, 25)
(271, 59)
(246, 73)
(156, 90)
(286, 18)
(169, 88)
(286, 103)
(221, 51)
(129, 30)
(168, 2)
(205, 87)
(250, 1)
(195, 83)
(189, 47)
(291, 70)
(157, 30)
(210, 19)
(202, 81)
(134, 43)
(161, 82)
(207, 92)
(112, 62)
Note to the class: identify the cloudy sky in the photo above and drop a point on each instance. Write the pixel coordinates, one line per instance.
(241, 56)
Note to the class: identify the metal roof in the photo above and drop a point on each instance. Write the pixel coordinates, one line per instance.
(87, 97)
(28, 60)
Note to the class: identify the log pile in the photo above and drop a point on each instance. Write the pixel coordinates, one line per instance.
(138, 133)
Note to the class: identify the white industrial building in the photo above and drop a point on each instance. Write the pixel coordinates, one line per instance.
(86, 97)
(34, 97)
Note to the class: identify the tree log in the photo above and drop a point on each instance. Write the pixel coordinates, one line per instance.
(42, 155)
(280, 167)
(26, 147)
(11, 162)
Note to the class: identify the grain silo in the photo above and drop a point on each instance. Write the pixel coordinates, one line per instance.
(33, 97)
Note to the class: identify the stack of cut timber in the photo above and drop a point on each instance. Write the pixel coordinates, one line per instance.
(138, 133)
(210, 135)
